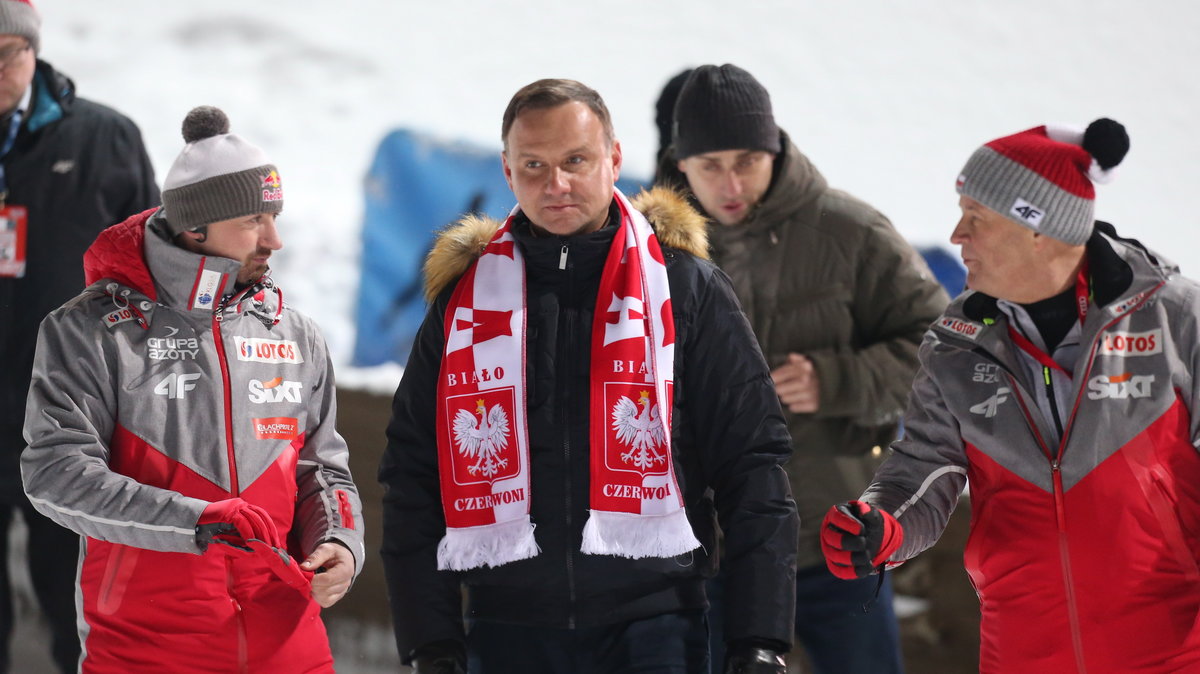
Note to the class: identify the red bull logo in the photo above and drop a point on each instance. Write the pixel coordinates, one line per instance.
(272, 187)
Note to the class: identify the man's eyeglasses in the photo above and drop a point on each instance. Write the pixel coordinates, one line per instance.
(8, 57)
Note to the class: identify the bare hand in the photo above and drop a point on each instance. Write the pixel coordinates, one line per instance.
(332, 584)
(796, 384)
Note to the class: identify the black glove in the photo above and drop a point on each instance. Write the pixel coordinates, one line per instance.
(750, 659)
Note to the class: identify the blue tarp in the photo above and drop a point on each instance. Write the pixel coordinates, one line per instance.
(416, 186)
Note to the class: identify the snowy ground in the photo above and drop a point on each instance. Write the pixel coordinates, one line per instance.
(887, 98)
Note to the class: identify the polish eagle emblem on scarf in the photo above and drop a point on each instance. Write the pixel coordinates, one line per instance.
(482, 438)
(639, 430)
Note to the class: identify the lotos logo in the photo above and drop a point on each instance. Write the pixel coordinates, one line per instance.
(272, 187)
(1131, 343)
(254, 349)
(1120, 386)
(119, 316)
(274, 391)
(276, 428)
(960, 327)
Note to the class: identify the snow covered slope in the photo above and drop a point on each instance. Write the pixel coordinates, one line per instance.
(887, 98)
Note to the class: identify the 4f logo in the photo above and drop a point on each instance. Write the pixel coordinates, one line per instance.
(1027, 212)
(988, 407)
(175, 386)
(1120, 386)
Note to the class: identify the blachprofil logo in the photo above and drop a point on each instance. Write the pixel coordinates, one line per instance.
(276, 428)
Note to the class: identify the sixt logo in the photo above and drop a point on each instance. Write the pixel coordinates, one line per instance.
(272, 187)
(967, 329)
(1027, 212)
(253, 349)
(1131, 343)
(274, 391)
(1120, 386)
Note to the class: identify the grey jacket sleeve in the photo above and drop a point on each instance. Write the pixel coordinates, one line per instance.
(895, 299)
(328, 507)
(70, 418)
(921, 481)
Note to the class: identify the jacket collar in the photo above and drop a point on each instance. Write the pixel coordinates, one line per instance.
(676, 224)
(53, 93)
(1122, 270)
(135, 254)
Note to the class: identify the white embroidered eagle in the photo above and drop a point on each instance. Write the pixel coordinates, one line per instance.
(483, 439)
(641, 431)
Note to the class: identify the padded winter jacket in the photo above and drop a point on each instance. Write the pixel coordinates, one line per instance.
(820, 273)
(155, 392)
(78, 167)
(728, 437)
(1084, 551)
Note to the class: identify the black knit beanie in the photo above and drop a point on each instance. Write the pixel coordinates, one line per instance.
(664, 108)
(723, 108)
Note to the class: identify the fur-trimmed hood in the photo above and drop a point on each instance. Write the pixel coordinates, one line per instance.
(675, 222)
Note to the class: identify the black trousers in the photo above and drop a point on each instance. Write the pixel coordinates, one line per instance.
(673, 643)
(53, 556)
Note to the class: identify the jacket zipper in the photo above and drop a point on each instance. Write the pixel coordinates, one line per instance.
(1048, 378)
(565, 388)
(219, 342)
(1056, 477)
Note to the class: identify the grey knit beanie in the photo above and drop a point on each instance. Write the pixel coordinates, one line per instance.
(18, 17)
(723, 108)
(1042, 178)
(218, 176)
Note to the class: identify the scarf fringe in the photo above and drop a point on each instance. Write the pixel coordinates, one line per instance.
(638, 536)
(491, 545)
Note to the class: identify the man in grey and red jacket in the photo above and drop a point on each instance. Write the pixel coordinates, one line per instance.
(1063, 387)
(181, 418)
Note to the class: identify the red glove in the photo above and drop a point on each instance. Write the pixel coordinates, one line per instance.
(283, 566)
(236, 522)
(857, 538)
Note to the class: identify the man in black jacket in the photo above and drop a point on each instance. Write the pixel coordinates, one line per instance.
(514, 413)
(68, 169)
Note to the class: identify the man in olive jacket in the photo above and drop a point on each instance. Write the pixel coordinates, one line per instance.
(839, 302)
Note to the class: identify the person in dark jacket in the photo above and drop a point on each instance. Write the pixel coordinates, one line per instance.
(589, 374)
(68, 169)
(838, 301)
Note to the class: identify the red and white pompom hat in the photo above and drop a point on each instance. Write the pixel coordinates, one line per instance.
(1042, 178)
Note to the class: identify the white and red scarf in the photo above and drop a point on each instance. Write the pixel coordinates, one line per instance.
(636, 508)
